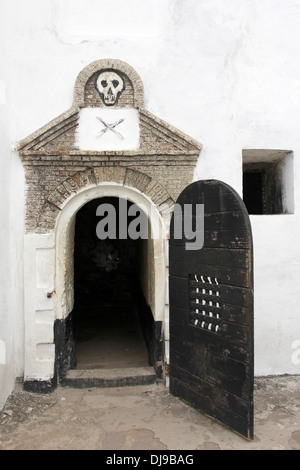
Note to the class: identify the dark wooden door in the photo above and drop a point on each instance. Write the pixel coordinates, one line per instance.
(211, 307)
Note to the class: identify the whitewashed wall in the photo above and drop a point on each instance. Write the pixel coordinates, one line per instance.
(225, 72)
(11, 223)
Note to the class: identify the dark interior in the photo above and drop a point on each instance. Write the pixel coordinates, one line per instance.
(109, 305)
(253, 191)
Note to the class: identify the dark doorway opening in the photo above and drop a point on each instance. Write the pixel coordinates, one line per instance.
(253, 191)
(110, 317)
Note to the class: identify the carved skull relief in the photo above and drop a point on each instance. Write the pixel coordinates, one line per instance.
(110, 85)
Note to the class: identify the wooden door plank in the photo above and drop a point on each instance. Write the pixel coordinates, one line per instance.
(211, 309)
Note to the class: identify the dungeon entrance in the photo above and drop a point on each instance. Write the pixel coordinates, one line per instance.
(211, 308)
(111, 292)
(110, 310)
(107, 144)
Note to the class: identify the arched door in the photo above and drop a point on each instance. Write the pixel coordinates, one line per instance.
(211, 304)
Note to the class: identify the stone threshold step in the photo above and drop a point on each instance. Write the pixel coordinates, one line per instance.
(123, 377)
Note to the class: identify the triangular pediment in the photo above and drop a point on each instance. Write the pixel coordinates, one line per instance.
(57, 135)
(163, 137)
(156, 136)
(127, 126)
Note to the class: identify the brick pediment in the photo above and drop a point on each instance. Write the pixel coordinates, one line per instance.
(156, 136)
(106, 127)
(61, 134)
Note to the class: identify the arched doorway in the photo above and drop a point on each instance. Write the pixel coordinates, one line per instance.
(120, 304)
(109, 303)
(72, 160)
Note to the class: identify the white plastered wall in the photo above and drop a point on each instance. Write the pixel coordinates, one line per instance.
(225, 72)
(39, 315)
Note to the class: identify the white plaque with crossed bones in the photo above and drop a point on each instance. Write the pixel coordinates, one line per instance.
(108, 129)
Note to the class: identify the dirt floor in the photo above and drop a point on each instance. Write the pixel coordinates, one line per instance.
(144, 418)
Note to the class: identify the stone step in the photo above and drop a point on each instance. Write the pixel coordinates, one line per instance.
(123, 377)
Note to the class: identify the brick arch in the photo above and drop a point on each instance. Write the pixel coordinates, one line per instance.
(124, 176)
(119, 65)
